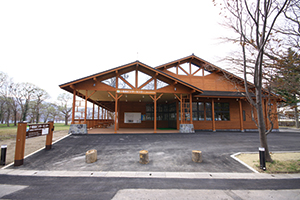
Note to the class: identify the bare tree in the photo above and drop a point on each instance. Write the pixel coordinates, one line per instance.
(39, 96)
(63, 107)
(24, 95)
(253, 23)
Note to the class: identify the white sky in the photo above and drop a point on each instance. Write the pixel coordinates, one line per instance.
(49, 43)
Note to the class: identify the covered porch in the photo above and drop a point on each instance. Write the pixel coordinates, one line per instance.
(132, 98)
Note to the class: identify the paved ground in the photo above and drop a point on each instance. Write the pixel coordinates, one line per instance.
(167, 152)
(61, 173)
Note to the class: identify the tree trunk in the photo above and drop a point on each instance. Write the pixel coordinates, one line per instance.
(25, 111)
(296, 116)
(7, 117)
(262, 127)
(15, 117)
(66, 119)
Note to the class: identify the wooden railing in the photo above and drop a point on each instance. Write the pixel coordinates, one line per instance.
(95, 123)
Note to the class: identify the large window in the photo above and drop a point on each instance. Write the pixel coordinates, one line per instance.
(163, 112)
(222, 112)
(201, 111)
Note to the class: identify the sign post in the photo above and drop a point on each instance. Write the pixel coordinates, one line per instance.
(49, 136)
(20, 144)
(32, 130)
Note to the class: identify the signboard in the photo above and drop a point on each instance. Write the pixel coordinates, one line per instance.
(136, 92)
(34, 130)
(131, 117)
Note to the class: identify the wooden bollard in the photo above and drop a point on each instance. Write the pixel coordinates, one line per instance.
(144, 158)
(91, 156)
(197, 156)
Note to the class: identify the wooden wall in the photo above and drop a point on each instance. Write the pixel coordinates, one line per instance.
(233, 123)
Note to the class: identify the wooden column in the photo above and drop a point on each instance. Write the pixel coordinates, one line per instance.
(116, 98)
(155, 98)
(49, 136)
(73, 108)
(181, 111)
(85, 108)
(241, 115)
(177, 115)
(155, 123)
(20, 144)
(191, 109)
(102, 114)
(93, 110)
(98, 112)
(265, 107)
(213, 115)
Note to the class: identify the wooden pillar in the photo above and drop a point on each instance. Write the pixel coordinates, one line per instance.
(191, 109)
(49, 136)
(155, 114)
(102, 114)
(265, 107)
(93, 111)
(85, 109)
(20, 144)
(181, 111)
(241, 115)
(73, 108)
(213, 115)
(116, 113)
(177, 115)
(98, 112)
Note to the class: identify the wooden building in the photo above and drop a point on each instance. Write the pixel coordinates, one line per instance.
(185, 91)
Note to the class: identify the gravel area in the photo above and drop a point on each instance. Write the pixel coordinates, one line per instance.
(31, 144)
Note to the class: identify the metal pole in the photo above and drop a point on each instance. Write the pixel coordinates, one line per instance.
(262, 158)
(3, 154)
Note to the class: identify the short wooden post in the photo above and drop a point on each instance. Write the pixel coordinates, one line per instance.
(49, 136)
(20, 144)
(144, 158)
(197, 156)
(91, 156)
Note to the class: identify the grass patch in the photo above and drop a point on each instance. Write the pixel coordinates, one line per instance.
(10, 132)
(61, 127)
(277, 166)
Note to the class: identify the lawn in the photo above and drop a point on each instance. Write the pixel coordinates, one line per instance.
(288, 162)
(11, 132)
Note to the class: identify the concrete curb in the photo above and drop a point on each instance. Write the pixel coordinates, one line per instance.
(131, 174)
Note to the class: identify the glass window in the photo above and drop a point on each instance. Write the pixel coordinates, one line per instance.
(222, 112)
(208, 112)
(200, 111)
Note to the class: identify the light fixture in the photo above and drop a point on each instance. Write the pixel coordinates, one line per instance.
(237, 99)
(218, 99)
(143, 96)
(175, 89)
(139, 100)
(94, 84)
(166, 101)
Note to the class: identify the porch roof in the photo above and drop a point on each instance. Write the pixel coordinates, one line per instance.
(87, 83)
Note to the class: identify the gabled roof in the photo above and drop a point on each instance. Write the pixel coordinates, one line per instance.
(199, 62)
(127, 68)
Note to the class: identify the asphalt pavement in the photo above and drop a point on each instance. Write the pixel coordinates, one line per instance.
(61, 173)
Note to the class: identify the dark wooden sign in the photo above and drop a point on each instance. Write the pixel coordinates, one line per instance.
(34, 130)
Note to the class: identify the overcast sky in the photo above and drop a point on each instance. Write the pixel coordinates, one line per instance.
(49, 43)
